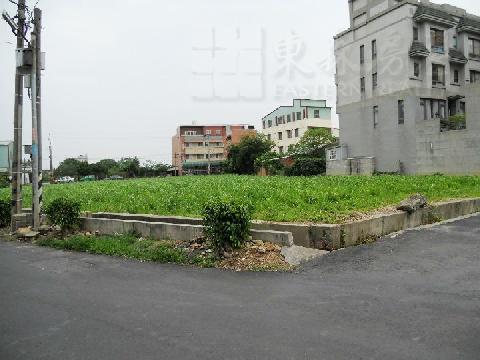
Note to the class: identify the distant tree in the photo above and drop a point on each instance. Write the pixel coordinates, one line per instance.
(68, 167)
(104, 167)
(313, 143)
(241, 157)
(152, 168)
(130, 167)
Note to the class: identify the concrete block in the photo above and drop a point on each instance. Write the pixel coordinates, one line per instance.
(300, 232)
(325, 237)
(354, 233)
(281, 238)
(393, 223)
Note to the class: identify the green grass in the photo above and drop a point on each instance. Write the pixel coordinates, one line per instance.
(127, 246)
(317, 199)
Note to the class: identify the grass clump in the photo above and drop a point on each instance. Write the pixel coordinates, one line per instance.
(126, 246)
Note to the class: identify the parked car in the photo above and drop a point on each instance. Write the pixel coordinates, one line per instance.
(65, 179)
(115, 177)
(88, 178)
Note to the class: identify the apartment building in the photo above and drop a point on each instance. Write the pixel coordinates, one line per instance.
(201, 149)
(408, 79)
(287, 124)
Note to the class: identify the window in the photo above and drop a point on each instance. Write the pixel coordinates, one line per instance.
(415, 34)
(438, 74)
(289, 134)
(416, 70)
(299, 115)
(437, 109)
(375, 117)
(401, 112)
(362, 54)
(280, 149)
(269, 123)
(281, 120)
(280, 136)
(332, 154)
(316, 114)
(289, 118)
(474, 76)
(208, 132)
(374, 49)
(437, 38)
(474, 47)
(374, 80)
(191, 133)
(296, 133)
(456, 76)
(263, 124)
(293, 116)
(269, 136)
(362, 85)
(455, 42)
(218, 132)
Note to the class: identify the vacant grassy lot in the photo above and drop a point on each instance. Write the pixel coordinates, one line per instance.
(317, 199)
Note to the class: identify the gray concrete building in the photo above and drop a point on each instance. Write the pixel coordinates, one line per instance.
(408, 89)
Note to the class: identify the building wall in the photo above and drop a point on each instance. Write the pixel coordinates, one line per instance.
(417, 145)
(451, 152)
(197, 146)
(294, 128)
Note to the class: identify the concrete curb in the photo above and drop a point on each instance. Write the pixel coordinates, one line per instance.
(326, 236)
(168, 231)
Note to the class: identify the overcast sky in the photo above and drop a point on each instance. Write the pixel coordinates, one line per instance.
(122, 75)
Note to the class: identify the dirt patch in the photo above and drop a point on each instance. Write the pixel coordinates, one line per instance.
(256, 256)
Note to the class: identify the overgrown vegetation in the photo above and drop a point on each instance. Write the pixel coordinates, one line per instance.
(65, 213)
(318, 199)
(127, 246)
(307, 167)
(126, 167)
(242, 156)
(5, 213)
(227, 225)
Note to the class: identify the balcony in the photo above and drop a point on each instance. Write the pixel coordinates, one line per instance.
(457, 57)
(433, 15)
(469, 25)
(418, 49)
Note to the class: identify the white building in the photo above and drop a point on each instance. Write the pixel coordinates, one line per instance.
(408, 79)
(287, 124)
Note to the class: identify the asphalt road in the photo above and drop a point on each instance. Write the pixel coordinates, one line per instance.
(416, 296)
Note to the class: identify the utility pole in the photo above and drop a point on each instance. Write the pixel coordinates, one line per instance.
(50, 150)
(36, 120)
(37, 19)
(17, 122)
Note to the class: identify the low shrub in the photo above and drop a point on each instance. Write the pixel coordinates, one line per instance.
(227, 224)
(63, 212)
(307, 167)
(5, 213)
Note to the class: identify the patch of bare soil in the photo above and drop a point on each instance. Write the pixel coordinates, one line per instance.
(256, 256)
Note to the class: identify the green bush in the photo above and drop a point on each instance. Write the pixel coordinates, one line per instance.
(227, 224)
(307, 167)
(64, 213)
(5, 213)
(4, 183)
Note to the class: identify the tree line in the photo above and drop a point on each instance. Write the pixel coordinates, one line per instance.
(126, 167)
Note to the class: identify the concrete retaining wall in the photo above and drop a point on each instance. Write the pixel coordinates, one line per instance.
(167, 231)
(319, 236)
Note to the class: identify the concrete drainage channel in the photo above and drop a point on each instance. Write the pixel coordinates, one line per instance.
(292, 235)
